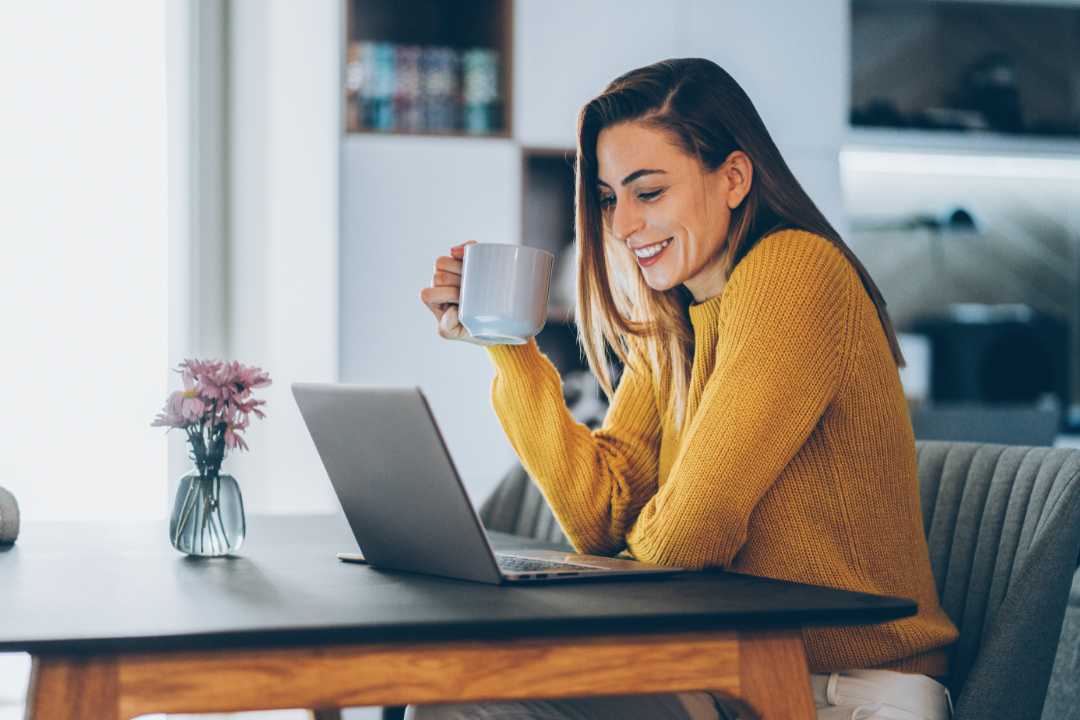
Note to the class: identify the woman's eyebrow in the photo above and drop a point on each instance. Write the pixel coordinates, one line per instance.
(634, 176)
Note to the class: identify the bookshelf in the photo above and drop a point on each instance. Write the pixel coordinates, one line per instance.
(428, 67)
(547, 214)
(547, 221)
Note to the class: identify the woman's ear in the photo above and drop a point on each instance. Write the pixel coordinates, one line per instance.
(739, 172)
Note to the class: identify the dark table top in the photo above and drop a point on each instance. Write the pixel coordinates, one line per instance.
(67, 587)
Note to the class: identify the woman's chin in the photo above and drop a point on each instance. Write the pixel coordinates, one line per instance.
(660, 282)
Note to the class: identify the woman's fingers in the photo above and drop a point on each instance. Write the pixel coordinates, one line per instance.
(449, 265)
(438, 298)
(450, 326)
(458, 251)
(443, 296)
(442, 278)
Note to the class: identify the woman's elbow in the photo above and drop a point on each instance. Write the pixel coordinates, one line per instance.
(694, 548)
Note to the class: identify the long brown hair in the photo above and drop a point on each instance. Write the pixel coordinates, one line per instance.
(709, 116)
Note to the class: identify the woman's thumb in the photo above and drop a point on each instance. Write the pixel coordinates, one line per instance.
(449, 324)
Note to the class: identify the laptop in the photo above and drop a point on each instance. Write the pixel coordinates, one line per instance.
(404, 500)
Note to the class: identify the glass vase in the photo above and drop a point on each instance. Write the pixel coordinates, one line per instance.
(208, 515)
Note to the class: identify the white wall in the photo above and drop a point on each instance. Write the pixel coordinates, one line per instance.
(405, 202)
(284, 141)
(83, 276)
(792, 60)
(567, 52)
(198, 197)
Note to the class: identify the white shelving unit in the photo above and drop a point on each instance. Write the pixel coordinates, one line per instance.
(962, 143)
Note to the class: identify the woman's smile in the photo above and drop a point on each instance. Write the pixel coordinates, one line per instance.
(650, 254)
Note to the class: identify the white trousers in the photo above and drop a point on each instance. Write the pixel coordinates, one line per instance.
(879, 694)
(850, 695)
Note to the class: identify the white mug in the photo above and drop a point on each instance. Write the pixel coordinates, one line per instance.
(504, 292)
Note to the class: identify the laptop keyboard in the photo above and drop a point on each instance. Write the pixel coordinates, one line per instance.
(512, 563)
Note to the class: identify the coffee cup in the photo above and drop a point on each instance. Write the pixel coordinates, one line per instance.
(504, 292)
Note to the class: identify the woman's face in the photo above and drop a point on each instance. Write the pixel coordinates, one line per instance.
(663, 206)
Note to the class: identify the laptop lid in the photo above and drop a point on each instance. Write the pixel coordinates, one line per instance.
(395, 480)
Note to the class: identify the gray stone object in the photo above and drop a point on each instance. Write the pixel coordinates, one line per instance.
(9, 517)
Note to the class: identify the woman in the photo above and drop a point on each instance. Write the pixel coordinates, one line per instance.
(759, 424)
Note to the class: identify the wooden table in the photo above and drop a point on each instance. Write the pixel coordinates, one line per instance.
(119, 625)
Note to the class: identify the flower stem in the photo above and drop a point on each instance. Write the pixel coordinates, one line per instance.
(185, 511)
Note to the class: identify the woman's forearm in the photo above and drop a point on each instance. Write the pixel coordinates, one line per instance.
(595, 481)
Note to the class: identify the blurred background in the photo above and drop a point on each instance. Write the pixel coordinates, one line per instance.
(270, 181)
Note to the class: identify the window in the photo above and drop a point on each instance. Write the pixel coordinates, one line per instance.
(84, 279)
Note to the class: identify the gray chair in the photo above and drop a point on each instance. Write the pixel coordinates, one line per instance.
(1003, 528)
(517, 507)
(1018, 425)
(1063, 695)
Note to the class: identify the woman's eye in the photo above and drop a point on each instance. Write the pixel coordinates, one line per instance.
(608, 201)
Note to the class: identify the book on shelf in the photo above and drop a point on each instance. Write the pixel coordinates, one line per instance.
(412, 88)
(481, 90)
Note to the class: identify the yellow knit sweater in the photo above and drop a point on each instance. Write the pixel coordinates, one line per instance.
(796, 460)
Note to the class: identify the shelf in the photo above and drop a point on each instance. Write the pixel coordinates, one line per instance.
(548, 203)
(429, 134)
(560, 315)
(428, 67)
(964, 143)
(547, 221)
(546, 151)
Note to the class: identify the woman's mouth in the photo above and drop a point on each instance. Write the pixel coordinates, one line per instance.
(650, 254)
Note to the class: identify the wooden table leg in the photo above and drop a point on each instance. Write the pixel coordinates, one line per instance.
(66, 687)
(774, 676)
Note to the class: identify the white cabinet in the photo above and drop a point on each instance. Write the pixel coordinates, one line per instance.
(405, 201)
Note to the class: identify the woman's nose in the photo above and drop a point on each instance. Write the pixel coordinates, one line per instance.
(625, 221)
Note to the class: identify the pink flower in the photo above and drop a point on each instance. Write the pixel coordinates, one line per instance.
(171, 416)
(233, 439)
(191, 407)
(216, 402)
(249, 377)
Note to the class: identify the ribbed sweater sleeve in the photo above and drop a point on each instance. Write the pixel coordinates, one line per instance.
(784, 316)
(596, 481)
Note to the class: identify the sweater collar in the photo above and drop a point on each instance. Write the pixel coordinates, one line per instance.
(706, 314)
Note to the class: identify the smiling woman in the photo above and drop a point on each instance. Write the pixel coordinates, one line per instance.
(693, 164)
(759, 424)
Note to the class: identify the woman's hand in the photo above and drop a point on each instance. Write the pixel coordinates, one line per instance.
(444, 295)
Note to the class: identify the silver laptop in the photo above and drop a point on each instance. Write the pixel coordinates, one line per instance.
(404, 500)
